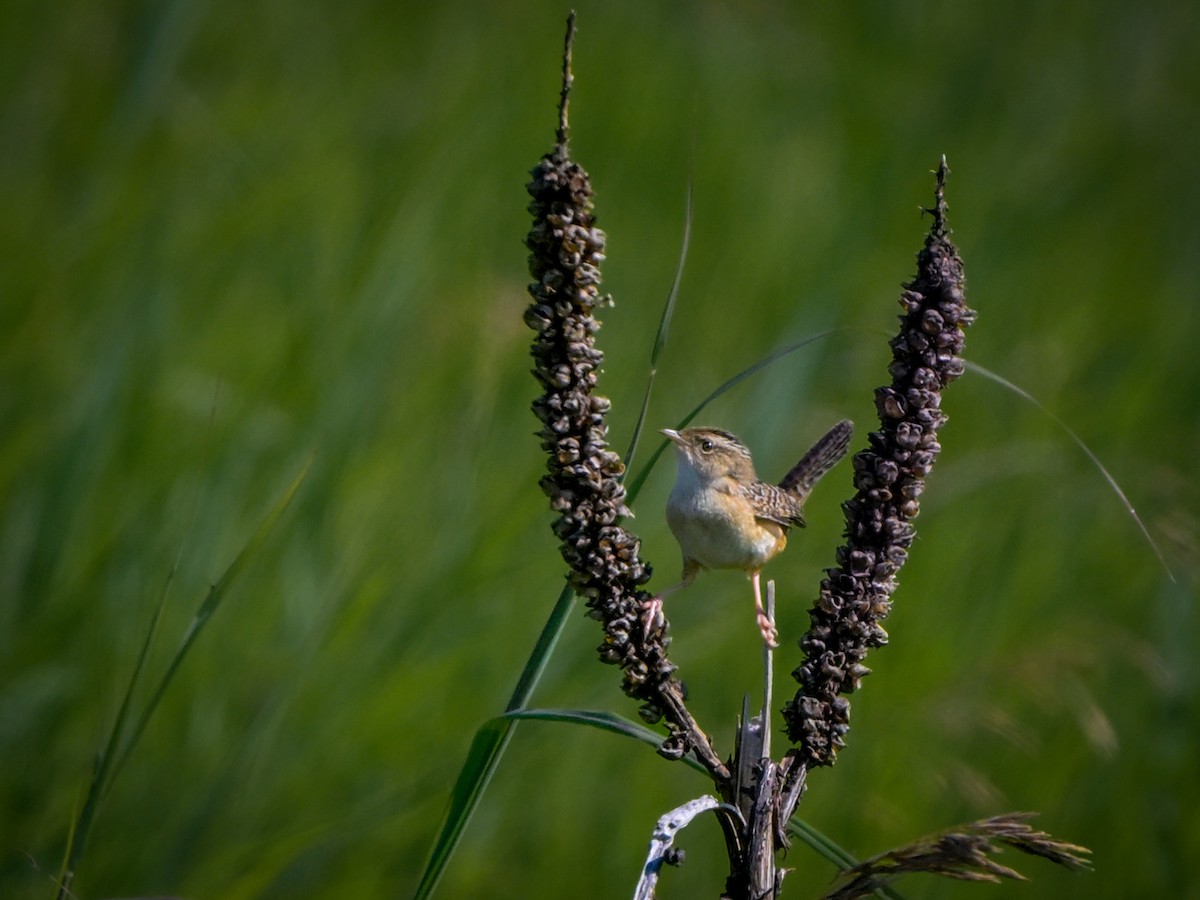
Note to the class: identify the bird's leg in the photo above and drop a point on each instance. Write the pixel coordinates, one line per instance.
(765, 625)
(652, 617)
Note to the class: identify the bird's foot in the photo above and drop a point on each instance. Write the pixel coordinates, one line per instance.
(769, 635)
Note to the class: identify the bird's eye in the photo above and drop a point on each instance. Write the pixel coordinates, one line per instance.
(706, 445)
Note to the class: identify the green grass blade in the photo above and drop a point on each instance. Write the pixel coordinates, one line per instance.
(601, 719)
(640, 479)
(660, 338)
(664, 324)
(1112, 482)
(542, 650)
(105, 771)
(483, 757)
(211, 602)
(487, 747)
(66, 869)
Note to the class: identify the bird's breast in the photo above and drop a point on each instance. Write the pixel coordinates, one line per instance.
(717, 528)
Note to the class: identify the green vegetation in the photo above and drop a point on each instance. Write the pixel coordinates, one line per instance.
(239, 234)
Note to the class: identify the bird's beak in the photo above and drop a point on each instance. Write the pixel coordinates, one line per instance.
(672, 434)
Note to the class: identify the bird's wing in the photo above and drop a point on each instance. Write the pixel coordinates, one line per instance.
(775, 504)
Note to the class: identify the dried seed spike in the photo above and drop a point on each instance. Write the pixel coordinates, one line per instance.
(584, 484)
(888, 477)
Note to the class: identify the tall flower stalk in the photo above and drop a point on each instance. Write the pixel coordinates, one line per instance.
(889, 477)
(584, 477)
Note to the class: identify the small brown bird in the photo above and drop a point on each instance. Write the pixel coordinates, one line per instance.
(725, 518)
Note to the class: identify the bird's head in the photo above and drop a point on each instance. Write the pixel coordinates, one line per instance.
(712, 453)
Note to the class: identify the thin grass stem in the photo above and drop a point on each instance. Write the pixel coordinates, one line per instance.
(664, 323)
(1095, 460)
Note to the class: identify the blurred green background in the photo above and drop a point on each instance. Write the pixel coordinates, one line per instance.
(237, 234)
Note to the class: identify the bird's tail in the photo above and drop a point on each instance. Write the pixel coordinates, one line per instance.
(824, 455)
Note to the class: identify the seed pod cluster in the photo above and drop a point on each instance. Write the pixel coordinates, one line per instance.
(889, 477)
(584, 476)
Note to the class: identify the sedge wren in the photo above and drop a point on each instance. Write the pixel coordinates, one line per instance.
(725, 518)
